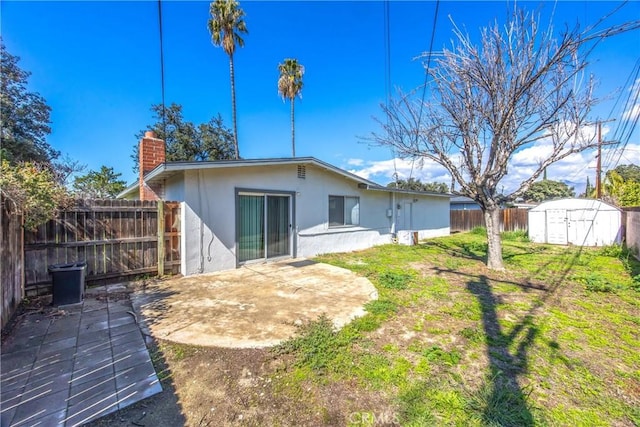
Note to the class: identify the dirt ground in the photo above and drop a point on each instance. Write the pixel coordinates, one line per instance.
(210, 385)
(236, 387)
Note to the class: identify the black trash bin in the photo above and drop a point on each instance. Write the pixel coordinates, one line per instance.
(68, 282)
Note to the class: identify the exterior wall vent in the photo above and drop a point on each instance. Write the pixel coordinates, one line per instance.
(302, 171)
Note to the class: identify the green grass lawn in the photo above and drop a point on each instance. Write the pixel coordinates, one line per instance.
(553, 340)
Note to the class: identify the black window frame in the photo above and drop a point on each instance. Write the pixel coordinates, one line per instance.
(338, 220)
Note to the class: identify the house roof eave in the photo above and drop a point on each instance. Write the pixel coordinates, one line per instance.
(377, 187)
(165, 170)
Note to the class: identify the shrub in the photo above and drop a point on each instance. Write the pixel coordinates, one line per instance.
(366, 323)
(33, 189)
(516, 236)
(594, 282)
(479, 231)
(395, 280)
(436, 354)
(317, 343)
(472, 334)
(381, 307)
(612, 251)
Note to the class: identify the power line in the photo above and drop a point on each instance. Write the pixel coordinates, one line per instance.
(616, 110)
(387, 79)
(426, 77)
(426, 74)
(387, 58)
(625, 127)
(164, 116)
(622, 131)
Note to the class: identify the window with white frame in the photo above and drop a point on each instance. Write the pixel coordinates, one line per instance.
(344, 210)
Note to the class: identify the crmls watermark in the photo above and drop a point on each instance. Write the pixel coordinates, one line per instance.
(385, 418)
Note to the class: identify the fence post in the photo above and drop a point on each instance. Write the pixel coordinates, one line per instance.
(160, 238)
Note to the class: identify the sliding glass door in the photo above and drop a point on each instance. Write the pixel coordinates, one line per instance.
(251, 232)
(264, 224)
(278, 226)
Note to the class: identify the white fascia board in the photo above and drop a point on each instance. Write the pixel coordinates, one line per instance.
(173, 167)
(412, 192)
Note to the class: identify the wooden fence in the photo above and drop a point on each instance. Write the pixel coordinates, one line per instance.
(512, 219)
(630, 222)
(116, 238)
(11, 261)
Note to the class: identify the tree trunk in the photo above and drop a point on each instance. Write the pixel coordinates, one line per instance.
(293, 130)
(494, 244)
(233, 107)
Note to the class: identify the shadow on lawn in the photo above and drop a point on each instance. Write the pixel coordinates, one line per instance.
(502, 401)
(472, 251)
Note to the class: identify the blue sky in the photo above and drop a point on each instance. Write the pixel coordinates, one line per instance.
(97, 65)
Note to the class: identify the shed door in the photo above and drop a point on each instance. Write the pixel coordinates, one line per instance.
(581, 231)
(556, 226)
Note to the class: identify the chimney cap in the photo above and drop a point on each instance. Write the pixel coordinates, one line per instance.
(149, 134)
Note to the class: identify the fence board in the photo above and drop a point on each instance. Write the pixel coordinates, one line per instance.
(116, 238)
(11, 264)
(511, 219)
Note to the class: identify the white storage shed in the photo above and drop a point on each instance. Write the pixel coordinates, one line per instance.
(583, 222)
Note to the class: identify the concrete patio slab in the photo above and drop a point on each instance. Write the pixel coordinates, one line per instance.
(257, 305)
(73, 365)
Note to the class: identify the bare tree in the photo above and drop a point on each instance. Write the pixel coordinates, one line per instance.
(521, 85)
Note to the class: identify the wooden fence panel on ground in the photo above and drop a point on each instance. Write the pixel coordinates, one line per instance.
(512, 219)
(11, 261)
(116, 238)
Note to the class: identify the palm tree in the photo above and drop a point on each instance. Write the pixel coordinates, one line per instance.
(290, 86)
(226, 27)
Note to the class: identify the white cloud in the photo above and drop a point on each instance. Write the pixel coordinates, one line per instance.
(355, 162)
(632, 114)
(384, 171)
(540, 150)
(573, 170)
(532, 155)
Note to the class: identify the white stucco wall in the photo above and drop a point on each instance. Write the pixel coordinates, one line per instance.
(174, 188)
(314, 234)
(429, 216)
(209, 229)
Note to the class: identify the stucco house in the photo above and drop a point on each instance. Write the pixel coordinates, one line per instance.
(240, 211)
(463, 203)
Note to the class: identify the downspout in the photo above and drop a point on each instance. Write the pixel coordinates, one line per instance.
(394, 214)
(200, 213)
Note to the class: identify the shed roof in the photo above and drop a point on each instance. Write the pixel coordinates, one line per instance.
(575, 204)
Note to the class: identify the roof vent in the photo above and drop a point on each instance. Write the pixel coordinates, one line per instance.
(302, 171)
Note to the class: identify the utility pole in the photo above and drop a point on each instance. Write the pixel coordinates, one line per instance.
(599, 163)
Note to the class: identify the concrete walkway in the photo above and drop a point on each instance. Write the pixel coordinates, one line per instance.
(70, 366)
(258, 305)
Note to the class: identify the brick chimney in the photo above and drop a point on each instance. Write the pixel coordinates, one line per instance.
(152, 154)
